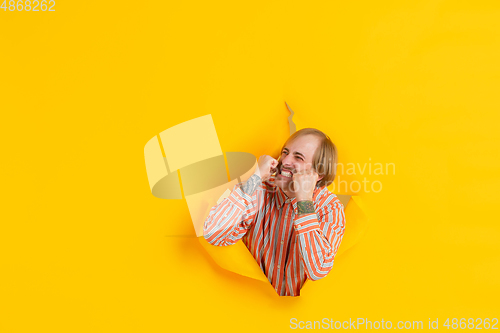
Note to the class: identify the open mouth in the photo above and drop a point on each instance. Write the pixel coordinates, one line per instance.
(286, 173)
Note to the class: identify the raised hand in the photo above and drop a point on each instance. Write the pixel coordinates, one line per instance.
(304, 183)
(266, 167)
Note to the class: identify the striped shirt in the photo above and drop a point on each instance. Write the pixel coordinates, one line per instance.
(289, 249)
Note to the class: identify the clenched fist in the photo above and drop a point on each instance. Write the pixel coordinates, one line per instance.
(266, 167)
(304, 183)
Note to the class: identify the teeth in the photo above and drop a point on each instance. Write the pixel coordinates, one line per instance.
(286, 173)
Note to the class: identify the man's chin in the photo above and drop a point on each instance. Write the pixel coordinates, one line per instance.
(282, 183)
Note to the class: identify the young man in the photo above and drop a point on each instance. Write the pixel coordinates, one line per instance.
(290, 222)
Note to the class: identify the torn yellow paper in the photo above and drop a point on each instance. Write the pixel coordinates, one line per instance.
(224, 196)
(241, 165)
(235, 258)
(204, 175)
(291, 124)
(199, 204)
(162, 184)
(190, 142)
(192, 148)
(344, 199)
(356, 221)
(155, 166)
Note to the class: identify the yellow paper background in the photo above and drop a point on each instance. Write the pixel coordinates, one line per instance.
(86, 247)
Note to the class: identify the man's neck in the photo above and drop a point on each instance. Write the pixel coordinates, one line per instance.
(288, 194)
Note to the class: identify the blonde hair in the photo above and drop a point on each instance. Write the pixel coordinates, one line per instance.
(325, 157)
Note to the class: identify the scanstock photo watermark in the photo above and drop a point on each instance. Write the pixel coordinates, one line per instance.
(368, 184)
(367, 324)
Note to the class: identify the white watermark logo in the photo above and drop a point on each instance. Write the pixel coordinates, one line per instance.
(358, 323)
(368, 184)
(368, 170)
(364, 323)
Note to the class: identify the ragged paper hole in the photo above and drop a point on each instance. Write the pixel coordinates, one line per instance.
(204, 175)
(200, 203)
(193, 148)
(168, 187)
(239, 163)
(190, 142)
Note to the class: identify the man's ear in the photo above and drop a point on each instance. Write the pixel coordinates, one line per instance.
(319, 176)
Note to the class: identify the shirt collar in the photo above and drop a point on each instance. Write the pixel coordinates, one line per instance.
(280, 197)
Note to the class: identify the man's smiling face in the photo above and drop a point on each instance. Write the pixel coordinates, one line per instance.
(297, 156)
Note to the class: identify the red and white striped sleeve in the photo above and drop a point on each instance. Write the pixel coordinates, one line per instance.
(319, 237)
(229, 221)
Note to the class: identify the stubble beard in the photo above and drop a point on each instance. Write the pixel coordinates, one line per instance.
(285, 184)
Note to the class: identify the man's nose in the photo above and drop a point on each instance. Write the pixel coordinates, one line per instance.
(287, 161)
